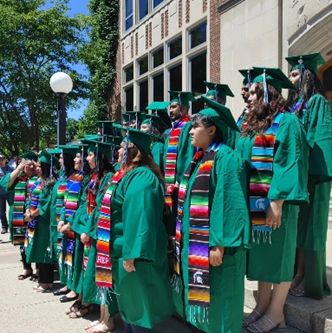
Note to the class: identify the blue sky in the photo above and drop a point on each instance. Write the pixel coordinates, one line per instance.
(76, 6)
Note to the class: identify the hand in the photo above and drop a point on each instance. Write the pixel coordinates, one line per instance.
(129, 266)
(85, 238)
(60, 225)
(29, 169)
(27, 216)
(21, 166)
(65, 229)
(273, 214)
(216, 255)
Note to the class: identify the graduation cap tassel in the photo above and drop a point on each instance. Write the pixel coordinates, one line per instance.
(51, 168)
(97, 159)
(63, 162)
(113, 154)
(301, 72)
(136, 115)
(180, 104)
(125, 153)
(266, 95)
(215, 93)
(249, 78)
(102, 132)
(82, 159)
(150, 127)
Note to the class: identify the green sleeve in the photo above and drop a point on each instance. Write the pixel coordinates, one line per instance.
(4, 182)
(157, 152)
(186, 152)
(318, 124)
(165, 148)
(290, 163)
(229, 217)
(45, 202)
(63, 214)
(142, 214)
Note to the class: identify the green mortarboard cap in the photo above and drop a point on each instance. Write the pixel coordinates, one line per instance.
(224, 113)
(158, 106)
(215, 117)
(310, 61)
(182, 97)
(69, 149)
(54, 151)
(115, 140)
(45, 157)
(275, 77)
(140, 139)
(106, 124)
(103, 147)
(30, 155)
(155, 120)
(245, 73)
(221, 89)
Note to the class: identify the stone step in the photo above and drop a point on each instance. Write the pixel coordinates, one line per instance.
(301, 313)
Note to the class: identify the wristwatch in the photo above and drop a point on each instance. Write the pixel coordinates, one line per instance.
(30, 215)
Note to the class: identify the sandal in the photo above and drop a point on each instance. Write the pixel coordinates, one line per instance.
(101, 328)
(34, 278)
(297, 279)
(251, 318)
(74, 307)
(78, 312)
(24, 276)
(40, 289)
(92, 324)
(260, 327)
(297, 292)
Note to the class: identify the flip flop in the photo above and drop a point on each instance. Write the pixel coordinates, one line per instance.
(76, 305)
(101, 328)
(92, 324)
(24, 276)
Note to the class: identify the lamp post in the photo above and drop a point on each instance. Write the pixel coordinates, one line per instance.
(61, 84)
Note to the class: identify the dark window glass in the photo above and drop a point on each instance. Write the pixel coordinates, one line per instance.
(158, 87)
(175, 78)
(129, 73)
(198, 75)
(129, 19)
(198, 35)
(175, 48)
(143, 8)
(143, 66)
(129, 96)
(157, 2)
(143, 95)
(158, 58)
(327, 79)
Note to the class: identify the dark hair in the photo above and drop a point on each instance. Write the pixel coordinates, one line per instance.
(311, 85)
(86, 167)
(46, 179)
(68, 162)
(207, 122)
(261, 116)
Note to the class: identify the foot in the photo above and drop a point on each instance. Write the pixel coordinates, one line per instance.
(25, 274)
(92, 324)
(299, 290)
(43, 287)
(76, 305)
(296, 281)
(82, 311)
(266, 324)
(101, 328)
(61, 291)
(251, 318)
(4, 230)
(34, 278)
(71, 294)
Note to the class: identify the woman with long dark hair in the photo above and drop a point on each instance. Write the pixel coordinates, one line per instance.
(314, 111)
(273, 148)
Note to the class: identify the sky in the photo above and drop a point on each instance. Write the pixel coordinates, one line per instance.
(77, 6)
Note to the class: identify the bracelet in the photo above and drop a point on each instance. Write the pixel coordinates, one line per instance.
(30, 215)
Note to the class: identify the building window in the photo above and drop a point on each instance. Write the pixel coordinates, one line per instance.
(129, 98)
(129, 19)
(175, 48)
(197, 78)
(143, 9)
(175, 78)
(143, 65)
(143, 95)
(129, 73)
(158, 58)
(157, 3)
(197, 36)
(158, 87)
(327, 82)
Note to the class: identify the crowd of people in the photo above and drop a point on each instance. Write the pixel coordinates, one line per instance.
(167, 213)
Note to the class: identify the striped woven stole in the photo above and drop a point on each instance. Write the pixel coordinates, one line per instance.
(35, 192)
(18, 224)
(199, 227)
(103, 260)
(260, 180)
(91, 198)
(171, 156)
(60, 197)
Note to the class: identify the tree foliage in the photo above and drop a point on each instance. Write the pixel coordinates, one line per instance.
(35, 43)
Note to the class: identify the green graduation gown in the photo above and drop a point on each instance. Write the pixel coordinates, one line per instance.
(313, 218)
(229, 227)
(274, 262)
(157, 151)
(137, 232)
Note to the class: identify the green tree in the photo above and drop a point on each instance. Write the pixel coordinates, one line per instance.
(35, 43)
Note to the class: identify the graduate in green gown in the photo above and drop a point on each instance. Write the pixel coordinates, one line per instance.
(314, 110)
(275, 154)
(138, 238)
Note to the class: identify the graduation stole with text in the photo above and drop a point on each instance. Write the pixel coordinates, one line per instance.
(260, 180)
(60, 197)
(199, 226)
(171, 156)
(36, 190)
(103, 260)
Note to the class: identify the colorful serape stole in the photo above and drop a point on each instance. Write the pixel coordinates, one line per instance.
(171, 157)
(260, 180)
(103, 260)
(60, 197)
(241, 121)
(34, 202)
(296, 106)
(199, 227)
(18, 224)
(91, 198)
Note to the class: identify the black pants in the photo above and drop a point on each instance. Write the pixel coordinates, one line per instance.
(135, 329)
(46, 273)
(3, 216)
(26, 265)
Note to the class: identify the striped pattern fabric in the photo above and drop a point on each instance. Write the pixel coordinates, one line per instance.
(199, 227)
(103, 260)
(60, 196)
(171, 156)
(260, 180)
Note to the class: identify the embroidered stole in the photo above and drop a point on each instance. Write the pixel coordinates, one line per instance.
(60, 197)
(293, 108)
(199, 227)
(171, 156)
(36, 190)
(260, 180)
(103, 260)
